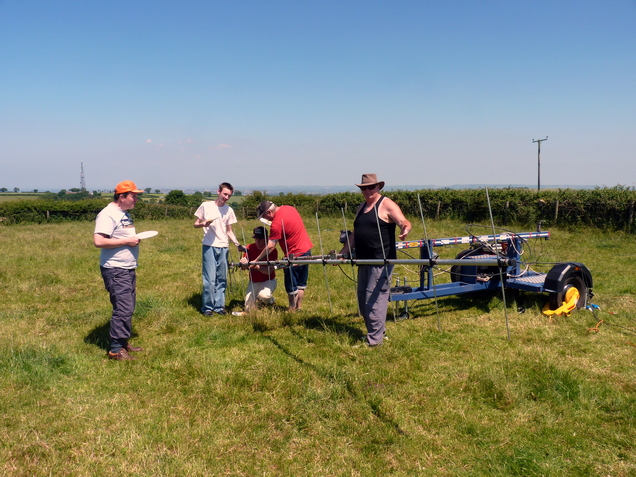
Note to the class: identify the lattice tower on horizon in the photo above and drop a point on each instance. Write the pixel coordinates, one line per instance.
(82, 180)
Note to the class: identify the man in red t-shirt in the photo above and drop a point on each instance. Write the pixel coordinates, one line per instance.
(288, 230)
(262, 283)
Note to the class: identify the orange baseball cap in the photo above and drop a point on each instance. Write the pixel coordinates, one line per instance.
(127, 186)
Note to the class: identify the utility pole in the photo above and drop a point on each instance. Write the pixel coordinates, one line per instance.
(539, 141)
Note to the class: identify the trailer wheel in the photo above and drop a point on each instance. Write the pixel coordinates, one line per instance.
(458, 274)
(576, 281)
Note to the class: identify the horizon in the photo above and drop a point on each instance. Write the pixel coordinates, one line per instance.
(316, 189)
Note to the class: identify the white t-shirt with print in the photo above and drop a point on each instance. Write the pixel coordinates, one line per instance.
(216, 234)
(116, 223)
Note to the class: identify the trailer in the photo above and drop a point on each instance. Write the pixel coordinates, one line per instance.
(566, 281)
(491, 262)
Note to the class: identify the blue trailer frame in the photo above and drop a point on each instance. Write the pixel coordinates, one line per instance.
(470, 278)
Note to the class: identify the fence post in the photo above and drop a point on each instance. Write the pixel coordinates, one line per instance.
(631, 215)
(556, 211)
(439, 205)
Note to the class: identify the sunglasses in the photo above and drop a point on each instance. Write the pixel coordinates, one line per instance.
(369, 187)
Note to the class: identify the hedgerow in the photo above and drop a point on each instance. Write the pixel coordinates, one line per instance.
(605, 208)
(54, 211)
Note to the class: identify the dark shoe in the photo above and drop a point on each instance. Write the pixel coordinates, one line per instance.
(208, 313)
(133, 349)
(121, 355)
(221, 311)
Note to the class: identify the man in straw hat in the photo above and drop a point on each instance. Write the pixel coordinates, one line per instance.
(374, 238)
(115, 235)
(289, 231)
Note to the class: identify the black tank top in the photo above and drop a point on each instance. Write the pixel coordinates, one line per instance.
(366, 236)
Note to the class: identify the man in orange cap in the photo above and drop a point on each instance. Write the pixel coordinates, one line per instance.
(115, 235)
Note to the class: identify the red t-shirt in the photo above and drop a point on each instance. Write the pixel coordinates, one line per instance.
(257, 276)
(295, 239)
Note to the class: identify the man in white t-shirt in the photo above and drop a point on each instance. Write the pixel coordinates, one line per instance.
(115, 235)
(216, 219)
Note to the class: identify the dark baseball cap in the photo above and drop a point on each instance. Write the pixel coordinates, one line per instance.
(260, 232)
(263, 207)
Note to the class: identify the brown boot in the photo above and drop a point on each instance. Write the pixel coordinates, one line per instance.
(133, 349)
(121, 355)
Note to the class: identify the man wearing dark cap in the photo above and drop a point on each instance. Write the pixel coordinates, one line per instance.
(288, 230)
(115, 235)
(262, 284)
(374, 238)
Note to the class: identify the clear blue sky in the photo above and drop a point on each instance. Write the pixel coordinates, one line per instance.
(186, 94)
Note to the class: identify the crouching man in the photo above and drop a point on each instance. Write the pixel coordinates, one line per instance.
(262, 283)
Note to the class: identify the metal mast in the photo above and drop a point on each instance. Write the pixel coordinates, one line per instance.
(539, 141)
(82, 181)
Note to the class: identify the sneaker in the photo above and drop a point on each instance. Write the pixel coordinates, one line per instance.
(208, 313)
(221, 311)
(366, 343)
(133, 349)
(121, 355)
(239, 313)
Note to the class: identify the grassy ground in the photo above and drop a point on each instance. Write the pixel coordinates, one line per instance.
(293, 394)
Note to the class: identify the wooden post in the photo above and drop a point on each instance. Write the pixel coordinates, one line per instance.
(556, 211)
(631, 215)
(439, 206)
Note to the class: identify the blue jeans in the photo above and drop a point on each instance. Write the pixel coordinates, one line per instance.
(214, 260)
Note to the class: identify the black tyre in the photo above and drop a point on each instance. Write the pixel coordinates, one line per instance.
(459, 274)
(576, 281)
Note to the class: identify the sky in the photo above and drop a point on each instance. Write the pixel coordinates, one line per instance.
(187, 94)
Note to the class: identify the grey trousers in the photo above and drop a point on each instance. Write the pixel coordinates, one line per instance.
(374, 283)
(121, 284)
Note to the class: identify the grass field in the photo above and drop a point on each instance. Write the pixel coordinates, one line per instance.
(11, 196)
(294, 394)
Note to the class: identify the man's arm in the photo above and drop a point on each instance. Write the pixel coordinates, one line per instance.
(269, 248)
(199, 223)
(106, 241)
(348, 245)
(232, 237)
(394, 213)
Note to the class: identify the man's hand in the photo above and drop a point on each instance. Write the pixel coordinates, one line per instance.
(404, 230)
